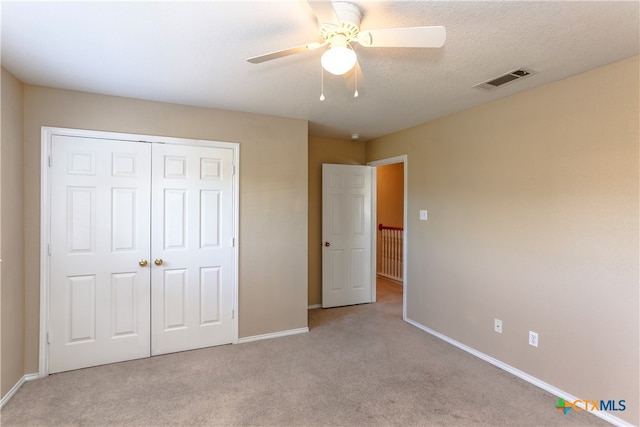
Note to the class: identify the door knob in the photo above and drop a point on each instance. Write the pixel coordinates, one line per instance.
(142, 262)
(327, 244)
(158, 261)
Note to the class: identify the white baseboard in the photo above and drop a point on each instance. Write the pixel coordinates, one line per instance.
(16, 387)
(273, 335)
(311, 307)
(520, 374)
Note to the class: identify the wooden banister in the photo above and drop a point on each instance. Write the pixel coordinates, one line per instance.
(386, 227)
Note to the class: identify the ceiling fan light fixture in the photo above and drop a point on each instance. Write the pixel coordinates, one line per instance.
(338, 60)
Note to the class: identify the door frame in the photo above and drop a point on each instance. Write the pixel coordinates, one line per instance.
(405, 282)
(47, 134)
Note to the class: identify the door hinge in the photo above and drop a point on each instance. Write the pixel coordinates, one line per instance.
(48, 337)
(233, 242)
(50, 161)
(233, 313)
(234, 169)
(49, 249)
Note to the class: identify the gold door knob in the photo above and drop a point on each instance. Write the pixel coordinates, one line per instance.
(142, 262)
(158, 261)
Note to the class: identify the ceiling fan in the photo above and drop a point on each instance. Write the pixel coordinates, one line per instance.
(339, 28)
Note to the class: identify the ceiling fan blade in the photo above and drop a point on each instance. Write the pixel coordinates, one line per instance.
(324, 11)
(284, 52)
(434, 36)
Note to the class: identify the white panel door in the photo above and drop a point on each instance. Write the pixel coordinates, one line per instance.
(192, 247)
(347, 228)
(99, 292)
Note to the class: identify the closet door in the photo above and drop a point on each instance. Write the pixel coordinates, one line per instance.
(192, 245)
(100, 221)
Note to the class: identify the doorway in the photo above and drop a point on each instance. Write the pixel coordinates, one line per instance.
(391, 209)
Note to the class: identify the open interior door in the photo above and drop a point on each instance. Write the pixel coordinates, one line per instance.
(347, 235)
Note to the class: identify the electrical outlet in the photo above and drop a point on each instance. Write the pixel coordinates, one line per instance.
(533, 338)
(423, 215)
(497, 325)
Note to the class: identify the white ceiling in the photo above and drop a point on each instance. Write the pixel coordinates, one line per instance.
(194, 53)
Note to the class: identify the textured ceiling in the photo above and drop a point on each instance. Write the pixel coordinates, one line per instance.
(194, 53)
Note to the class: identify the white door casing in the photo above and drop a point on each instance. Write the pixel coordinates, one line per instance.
(405, 251)
(347, 228)
(97, 216)
(99, 231)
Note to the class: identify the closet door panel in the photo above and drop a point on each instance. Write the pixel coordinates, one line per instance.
(100, 225)
(192, 235)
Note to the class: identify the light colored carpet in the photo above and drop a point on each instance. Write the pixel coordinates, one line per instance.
(358, 366)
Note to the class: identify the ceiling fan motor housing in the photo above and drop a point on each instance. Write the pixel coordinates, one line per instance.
(349, 16)
(348, 12)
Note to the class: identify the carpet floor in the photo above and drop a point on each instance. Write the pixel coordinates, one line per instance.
(358, 366)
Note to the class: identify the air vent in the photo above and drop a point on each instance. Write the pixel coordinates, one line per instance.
(509, 77)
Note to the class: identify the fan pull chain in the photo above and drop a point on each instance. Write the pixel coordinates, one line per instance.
(355, 95)
(322, 84)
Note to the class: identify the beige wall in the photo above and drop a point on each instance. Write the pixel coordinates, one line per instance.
(389, 200)
(533, 219)
(324, 150)
(390, 194)
(273, 195)
(11, 232)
